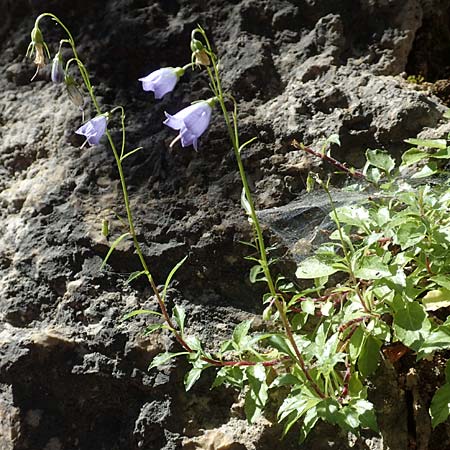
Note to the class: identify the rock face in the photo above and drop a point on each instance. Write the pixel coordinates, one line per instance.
(72, 375)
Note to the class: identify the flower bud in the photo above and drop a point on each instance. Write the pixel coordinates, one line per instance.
(58, 74)
(196, 45)
(36, 36)
(74, 92)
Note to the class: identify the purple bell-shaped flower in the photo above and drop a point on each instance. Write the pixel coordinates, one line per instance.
(162, 81)
(93, 130)
(191, 121)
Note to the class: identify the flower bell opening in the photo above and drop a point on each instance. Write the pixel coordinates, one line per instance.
(192, 122)
(93, 130)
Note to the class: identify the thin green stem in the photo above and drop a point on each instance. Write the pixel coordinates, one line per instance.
(86, 79)
(234, 138)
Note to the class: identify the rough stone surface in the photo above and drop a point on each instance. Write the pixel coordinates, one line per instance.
(72, 376)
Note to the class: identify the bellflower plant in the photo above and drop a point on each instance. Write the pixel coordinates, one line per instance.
(191, 121)
(93, 130)
(162, 81)
(327, 337)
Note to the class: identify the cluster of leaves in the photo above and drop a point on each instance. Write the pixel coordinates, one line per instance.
(378, 282)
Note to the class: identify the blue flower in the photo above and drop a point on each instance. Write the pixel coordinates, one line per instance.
(93, 130)
(162, 81)
(191, 121)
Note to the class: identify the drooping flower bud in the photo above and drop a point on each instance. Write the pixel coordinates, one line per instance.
(199, 54)
(37, 45)
(74, 92)
(58, 74)
(196, 45)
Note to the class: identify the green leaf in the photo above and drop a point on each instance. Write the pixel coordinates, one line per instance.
(311, 268)
(229, 375)
(113, 246)
(369, 356)
(308, 307)
(436, 299)
(410, 233)
(192, 377)
(257, 395)
(162, 358)
(356, 344)
(255, 273)
(179, 315)
(170, 276)
(280, 343)
(310, 420)
(442, 280)
(137, 312)
(411, 324)
(413, 156)
(357, 216)
(135, 275)
(380, 159)
(130, 153)
(370, 267)
(154, 327)
(438, 339)
(241, 332)
(440, 405)
(366, 412)
(286, 379)
(426, 171)
(429, 143)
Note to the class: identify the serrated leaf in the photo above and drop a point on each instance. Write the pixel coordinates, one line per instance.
(440, 405)
(436, 299)
(162, 358)
(113, 246)
(311, 268)
(138, 312)
(170, 276)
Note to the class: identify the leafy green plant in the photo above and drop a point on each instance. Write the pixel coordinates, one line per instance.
(379, 279)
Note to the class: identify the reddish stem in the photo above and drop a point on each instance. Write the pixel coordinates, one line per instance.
(329, 159)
